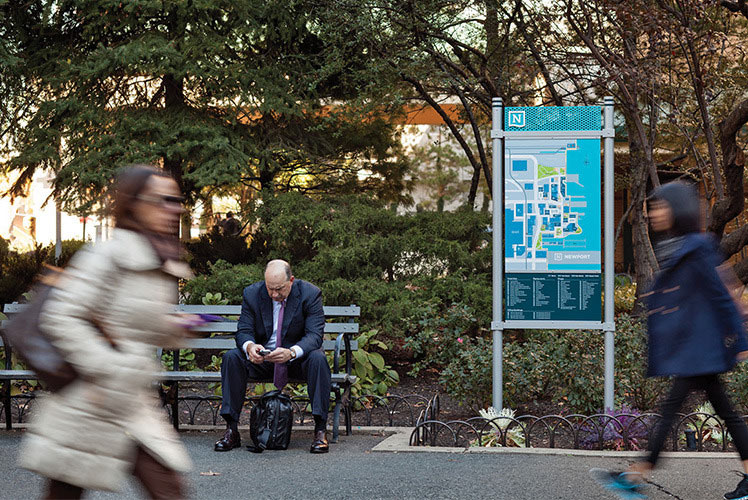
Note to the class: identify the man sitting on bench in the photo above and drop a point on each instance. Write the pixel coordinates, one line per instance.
(279, 334)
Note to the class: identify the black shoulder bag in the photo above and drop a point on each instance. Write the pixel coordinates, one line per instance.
(270, 422)
(32, 344)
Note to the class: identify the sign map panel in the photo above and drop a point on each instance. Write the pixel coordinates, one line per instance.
(552, 216)
(552, 205)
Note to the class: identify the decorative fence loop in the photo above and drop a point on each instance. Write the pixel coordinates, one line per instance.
(396, 410)
(623, 431)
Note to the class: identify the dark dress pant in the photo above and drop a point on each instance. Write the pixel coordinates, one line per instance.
(715, 392)
(237, 371)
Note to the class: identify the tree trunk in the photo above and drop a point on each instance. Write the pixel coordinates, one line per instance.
(185, 226)
(645, 263)
(473, 193)
(733, 164)
(174, 101)
(493, 43)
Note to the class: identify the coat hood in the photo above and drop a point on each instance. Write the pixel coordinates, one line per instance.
(683, 200)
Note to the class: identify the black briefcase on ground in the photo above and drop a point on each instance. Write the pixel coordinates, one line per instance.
(270, 422)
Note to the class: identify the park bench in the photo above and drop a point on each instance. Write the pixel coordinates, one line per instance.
(222, 338)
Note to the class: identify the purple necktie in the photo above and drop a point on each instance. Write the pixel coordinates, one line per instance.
(280, 374)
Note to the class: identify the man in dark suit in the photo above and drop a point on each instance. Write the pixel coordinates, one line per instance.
(299, 354)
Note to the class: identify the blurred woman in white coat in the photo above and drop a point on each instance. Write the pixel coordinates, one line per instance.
(108, 423)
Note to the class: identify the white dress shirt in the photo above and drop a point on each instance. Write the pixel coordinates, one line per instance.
(270, 344)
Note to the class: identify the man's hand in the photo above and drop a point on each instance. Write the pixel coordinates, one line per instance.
(742, 356)
(279, 355)
(253, 351)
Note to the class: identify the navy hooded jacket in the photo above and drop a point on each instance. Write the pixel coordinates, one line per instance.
(694, 326)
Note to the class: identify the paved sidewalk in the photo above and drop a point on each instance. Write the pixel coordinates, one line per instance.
(353, 470)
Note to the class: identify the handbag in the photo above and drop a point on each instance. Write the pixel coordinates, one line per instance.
(32, 344)
(270, 422)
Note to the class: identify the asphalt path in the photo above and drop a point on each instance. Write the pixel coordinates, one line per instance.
(352, 470)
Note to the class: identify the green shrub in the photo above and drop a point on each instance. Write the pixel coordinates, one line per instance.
(564, 367)
(737, 386)
(214, 246)
(632, 384)
(374, 375)
(18, 269)
(186, 360)
(69, 247)
(468, 377)
(625, 298)
(439, 337)
(224, 278)
(359, 252)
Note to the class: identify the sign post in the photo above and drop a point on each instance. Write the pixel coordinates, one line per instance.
(497, 112)
(547, 253)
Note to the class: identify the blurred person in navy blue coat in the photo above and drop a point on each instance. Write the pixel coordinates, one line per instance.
(300, 349)
(694, 325)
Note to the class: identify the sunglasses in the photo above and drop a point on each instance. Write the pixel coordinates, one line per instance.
(162, 199)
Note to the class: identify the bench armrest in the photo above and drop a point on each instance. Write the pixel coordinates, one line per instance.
(339, 340)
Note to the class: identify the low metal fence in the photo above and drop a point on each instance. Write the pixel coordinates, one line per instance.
(695, 431)
(369, 409)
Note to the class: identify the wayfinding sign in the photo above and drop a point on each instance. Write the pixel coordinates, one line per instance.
(548, 261)
(552, 216)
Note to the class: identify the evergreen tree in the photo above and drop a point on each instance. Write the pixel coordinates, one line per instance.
(218, 93)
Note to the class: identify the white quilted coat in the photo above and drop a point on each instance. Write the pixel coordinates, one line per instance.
(88, 433)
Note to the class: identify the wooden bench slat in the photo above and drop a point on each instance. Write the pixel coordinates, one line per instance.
(13, 308)
(212, 343)
(341, 327)
(228, 310)
(235, 310)
(229, 343)
(351, 310)
(17, 375)
(172, 376)
(230, 327)
(231, 310)
(187, 376)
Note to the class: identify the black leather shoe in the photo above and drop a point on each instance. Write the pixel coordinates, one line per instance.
(319, 445)
(230, 440)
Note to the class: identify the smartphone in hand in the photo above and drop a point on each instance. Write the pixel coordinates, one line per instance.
(265, 352)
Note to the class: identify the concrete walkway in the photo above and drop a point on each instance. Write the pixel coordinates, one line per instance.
(372, 465)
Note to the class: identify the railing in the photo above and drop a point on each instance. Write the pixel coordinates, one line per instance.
(369, 409)
(692, 432)
(696, 431)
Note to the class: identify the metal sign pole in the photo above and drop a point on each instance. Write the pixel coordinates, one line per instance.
(608, 135)
(497, 107)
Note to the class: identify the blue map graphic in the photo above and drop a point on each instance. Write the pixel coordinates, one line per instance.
(552, 205)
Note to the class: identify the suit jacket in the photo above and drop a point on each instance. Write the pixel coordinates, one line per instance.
(303, 318)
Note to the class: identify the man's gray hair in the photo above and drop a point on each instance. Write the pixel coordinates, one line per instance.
(273, 265)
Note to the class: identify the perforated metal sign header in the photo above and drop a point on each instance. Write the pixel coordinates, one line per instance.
(552, 118)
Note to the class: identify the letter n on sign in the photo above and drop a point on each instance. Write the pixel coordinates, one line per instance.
(516, 118)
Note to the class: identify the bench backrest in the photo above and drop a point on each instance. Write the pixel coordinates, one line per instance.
(226, 329)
